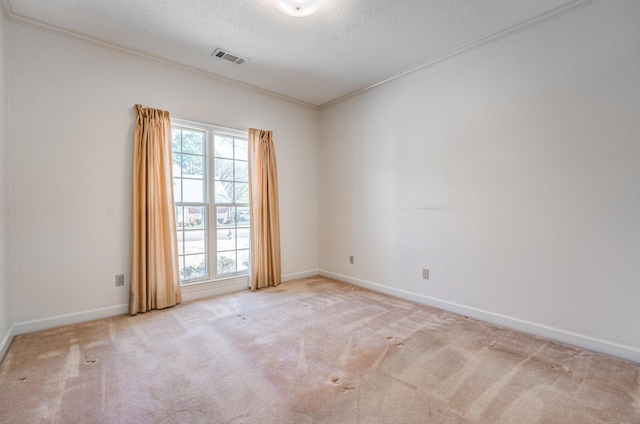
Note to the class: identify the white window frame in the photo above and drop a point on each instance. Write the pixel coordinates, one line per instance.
(186, 204)
(211, 244)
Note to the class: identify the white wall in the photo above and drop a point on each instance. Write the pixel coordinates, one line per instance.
(511, 171)
(71, 133)
(6, 320)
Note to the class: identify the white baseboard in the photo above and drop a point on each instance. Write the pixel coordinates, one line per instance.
(74, 318)
(189, 293)
(6, 342)
(297, 275)
(629, 353)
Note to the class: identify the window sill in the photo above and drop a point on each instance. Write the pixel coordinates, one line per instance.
(208, 288)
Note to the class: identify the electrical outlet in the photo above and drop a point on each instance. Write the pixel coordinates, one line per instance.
(425, 273)
(351, 260)
(119, 280)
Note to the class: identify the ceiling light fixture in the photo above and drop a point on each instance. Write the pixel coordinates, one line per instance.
(298, 8)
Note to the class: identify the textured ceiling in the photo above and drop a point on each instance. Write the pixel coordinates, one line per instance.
(347, 46)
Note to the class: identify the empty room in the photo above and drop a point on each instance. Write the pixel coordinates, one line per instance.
(320, 211)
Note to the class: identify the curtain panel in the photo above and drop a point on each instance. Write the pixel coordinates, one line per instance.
(155, 281)
(263, 210)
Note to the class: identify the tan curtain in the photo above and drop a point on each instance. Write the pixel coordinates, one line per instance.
(155, 283)
(264, 211)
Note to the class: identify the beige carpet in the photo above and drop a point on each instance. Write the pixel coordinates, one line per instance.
(309, 351)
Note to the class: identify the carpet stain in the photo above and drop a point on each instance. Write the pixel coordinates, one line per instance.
(112, 331)
(51, 354)
(344, 355)
(302, 358)
(69, 370)
(530, 403)
(477, 408)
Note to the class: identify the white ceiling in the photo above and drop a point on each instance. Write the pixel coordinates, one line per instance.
(348, 46)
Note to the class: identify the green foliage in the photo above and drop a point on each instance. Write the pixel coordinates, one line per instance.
(226, 265)
(194, 271)
(188, 148)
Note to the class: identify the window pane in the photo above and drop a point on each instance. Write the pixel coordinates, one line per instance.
(179, 216)
(194, 241)
(195, 217)
(183, 218)
(242, 171)
(226, 239)
(225, 216)
(192, 166)
(181, 266)
(180, 242)
(224, 169)
(177, 190)
(242, 193)
(175, 140)
(193, 191)
(243, 260)
(221, 195)
(192, 142)
(224, 190)
(226, 262)
(241, 149)
(242, 216)
(223, 147)
(242, 240)
(176, 162)
(195, 266)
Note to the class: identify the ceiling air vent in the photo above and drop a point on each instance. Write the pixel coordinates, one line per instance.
(222, 54)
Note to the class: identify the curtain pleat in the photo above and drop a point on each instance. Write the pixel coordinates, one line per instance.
(264, 211)
(155, 282)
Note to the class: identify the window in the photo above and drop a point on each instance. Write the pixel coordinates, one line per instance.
(231, 191)
(211, 194)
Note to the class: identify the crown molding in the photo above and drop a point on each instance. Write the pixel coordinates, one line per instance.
(515, 29)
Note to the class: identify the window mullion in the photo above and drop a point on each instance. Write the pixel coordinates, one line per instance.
(213, 222)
